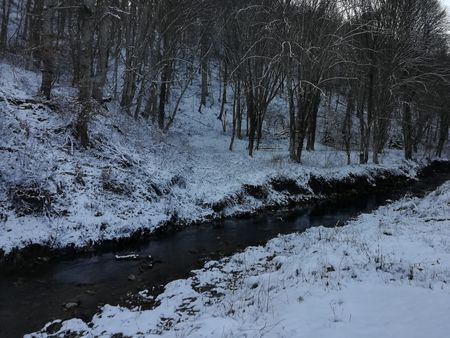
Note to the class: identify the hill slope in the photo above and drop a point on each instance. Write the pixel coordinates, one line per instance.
(55, 193)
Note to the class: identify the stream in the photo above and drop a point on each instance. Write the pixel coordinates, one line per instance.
(29, 299)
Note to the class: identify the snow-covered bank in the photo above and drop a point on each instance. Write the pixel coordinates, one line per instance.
(385, 274)
(56, 194)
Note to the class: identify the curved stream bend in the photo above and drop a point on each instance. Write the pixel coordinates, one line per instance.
(29, 300)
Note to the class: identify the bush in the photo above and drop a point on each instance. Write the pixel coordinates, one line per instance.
(30, 199)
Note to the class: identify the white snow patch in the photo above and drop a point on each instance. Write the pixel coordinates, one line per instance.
(134, 177)
(385, 274)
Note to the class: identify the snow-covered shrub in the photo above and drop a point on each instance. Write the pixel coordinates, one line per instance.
(113, 185)
(30, 198)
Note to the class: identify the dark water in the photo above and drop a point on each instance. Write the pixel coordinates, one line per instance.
(28, 300)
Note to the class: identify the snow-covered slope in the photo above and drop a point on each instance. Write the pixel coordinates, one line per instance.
(385, 274)
(53, 192)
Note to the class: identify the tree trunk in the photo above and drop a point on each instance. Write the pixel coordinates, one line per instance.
(251, 113)
(85, 54)
(129, 81)
(103, 54)
(27, 20)
(238, 111)
(443, 131)
(315, 99)
(300, 130)
(233, 132)
(204, 70)
(347, 128)
(407, 131)
(162, 97)
(6, 10)
(260, 121)
(292, 124)
(370, 114)
(46, 52)
(86, 14)
(224, 92)
(152, 102)
(35, 32)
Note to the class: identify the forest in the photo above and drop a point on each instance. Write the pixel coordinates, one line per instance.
(224, 168)
(387, 60)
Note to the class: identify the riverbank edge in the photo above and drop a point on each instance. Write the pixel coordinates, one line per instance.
(319, 188)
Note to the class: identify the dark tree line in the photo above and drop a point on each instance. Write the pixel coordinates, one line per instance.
(388, 60)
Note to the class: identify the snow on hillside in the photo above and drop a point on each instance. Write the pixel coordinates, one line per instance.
(53, 192)
(385, 274)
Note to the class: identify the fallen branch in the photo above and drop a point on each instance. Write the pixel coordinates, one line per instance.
(22, 102)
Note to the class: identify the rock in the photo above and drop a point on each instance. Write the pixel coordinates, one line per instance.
(3, 217)
(43, 259)
(71, 305)
(53, 327)
(145, 266)
(103, 226)
(127, 257)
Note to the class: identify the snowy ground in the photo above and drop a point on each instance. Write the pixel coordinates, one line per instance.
(385, 274)
(133, 177)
